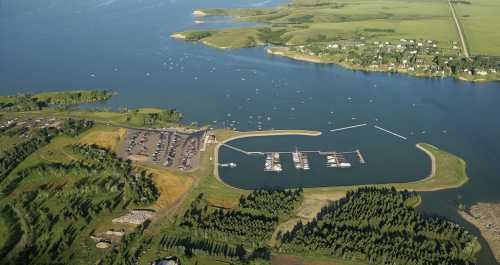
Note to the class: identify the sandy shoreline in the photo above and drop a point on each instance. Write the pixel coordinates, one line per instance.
(433, 162)
(178, 36)
(199, 13)
(486, 218)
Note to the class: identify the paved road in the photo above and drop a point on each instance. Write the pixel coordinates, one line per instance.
(460, 31)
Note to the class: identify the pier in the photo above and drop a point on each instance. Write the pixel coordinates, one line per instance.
(348, 127)
(360, 157)
(242, 151)
(390, 132)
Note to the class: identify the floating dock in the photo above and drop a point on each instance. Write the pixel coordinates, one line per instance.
(273, 162)
(337, 160)
(300, 160)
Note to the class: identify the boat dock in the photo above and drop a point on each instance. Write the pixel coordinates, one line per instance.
(300, 160)
(337, 160)
(334, 159)
(273, 163)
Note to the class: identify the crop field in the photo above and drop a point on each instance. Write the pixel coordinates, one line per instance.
(480, 21)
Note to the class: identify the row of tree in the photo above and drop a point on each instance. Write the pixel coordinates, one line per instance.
(72, 127)
(252, 224)
(9, 159)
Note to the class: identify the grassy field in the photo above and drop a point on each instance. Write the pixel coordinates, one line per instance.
(479, 20)
(107, 137)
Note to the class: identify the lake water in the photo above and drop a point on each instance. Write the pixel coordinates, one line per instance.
(124, 45)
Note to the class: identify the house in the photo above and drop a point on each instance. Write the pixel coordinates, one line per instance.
(482, 72)
(167, 261)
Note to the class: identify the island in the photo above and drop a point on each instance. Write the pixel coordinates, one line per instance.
(421, 38)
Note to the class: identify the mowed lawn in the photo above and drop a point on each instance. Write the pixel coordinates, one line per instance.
(480, 21)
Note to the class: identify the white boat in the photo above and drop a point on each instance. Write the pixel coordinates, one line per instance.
(345, 165)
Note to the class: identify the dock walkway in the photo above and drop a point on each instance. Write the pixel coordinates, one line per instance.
(390, 132)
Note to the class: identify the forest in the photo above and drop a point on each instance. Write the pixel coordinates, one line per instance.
(375, 225)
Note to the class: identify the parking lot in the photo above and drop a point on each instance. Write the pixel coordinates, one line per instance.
(168, 148)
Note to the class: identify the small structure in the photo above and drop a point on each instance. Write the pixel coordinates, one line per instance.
(167, 261)
(103, 245)
(115, 233)
(136, 217)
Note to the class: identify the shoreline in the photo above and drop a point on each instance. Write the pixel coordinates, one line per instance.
(178, 36)
(486, 232)
(285, 52)
(433, 162)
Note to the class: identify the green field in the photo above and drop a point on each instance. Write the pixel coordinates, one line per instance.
(480, 21)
